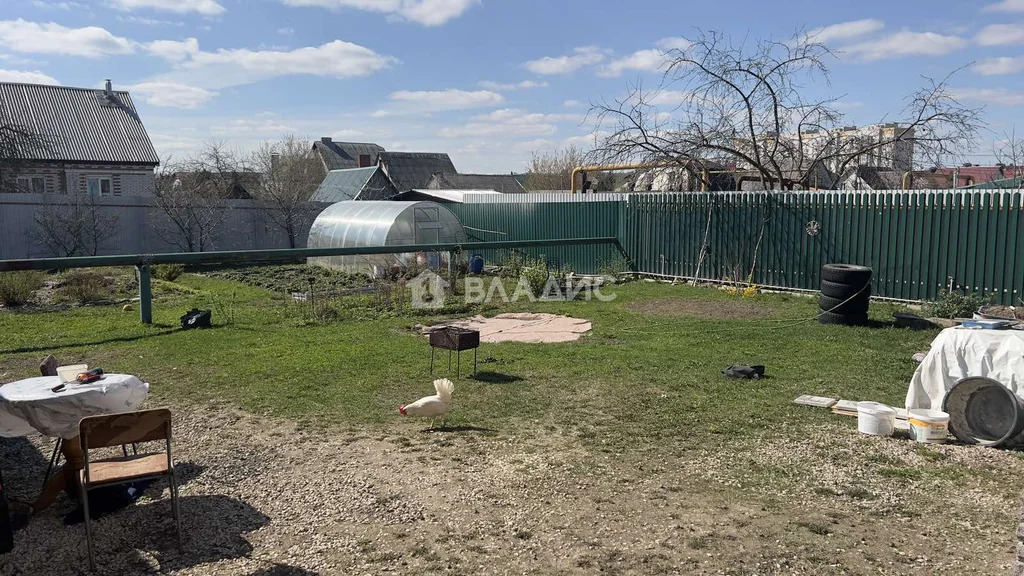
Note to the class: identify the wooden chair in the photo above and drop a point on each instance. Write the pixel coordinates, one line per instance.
(118, 430)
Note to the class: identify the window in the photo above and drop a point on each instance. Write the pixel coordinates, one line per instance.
(99, 186)
(33, 184)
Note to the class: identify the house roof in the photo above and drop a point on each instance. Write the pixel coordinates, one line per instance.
(879, 178)
(1003, 184)
(342, 155)
(341, 185)
(505, 183)
(968, 175)
(79, 124)
(457, 196)
(409, 170)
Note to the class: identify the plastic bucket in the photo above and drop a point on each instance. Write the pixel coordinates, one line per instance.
(875, 418)
(70, 372)
(983, 411)
(929, 426)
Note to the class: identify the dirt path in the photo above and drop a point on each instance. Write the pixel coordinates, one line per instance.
(264, 496)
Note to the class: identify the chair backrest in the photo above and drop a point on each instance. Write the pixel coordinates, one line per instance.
(125, 428)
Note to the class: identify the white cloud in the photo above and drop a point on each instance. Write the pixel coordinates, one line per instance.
(173, 50)
(1006, 6)
(286, 31)
(644, 60)
(676, 43)
(27, 77)
(52, 38)
(997, 66)
(667, 98)
(59, 5)
(204, 7)
(845, 30)
(425, 12)
(509, 122)
(524, 85)
(172, 95)
(423, 101)
(572, 103)
(997, 96)
(580, 57)
(1000, 35)
(905, 43)
(235, 67)
(262, 126)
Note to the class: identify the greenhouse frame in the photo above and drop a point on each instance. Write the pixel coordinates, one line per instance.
(383, 223)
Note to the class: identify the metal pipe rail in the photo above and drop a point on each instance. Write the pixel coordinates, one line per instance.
(143, 262)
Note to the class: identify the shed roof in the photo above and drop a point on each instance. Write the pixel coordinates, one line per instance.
(505, 183)
(409, 170)
(340, 185)
(79, 124)
(342, 155)
(458, 196)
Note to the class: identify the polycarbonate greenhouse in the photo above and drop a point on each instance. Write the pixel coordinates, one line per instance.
(383, 223)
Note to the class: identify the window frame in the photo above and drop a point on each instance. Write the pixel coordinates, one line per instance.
(30, 181)
(100, 180)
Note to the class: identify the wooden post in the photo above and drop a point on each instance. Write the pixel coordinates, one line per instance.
(145, 294)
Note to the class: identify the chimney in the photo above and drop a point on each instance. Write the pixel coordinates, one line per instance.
(108, 90)
(325, 139)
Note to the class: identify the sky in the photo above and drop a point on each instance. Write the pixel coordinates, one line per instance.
(488, 81)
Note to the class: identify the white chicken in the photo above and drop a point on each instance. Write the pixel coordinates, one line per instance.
(431, 406)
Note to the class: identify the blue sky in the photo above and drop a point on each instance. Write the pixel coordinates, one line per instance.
(487, 81)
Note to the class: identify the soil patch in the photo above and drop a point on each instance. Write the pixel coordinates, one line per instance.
(714, 309)
(520, 327)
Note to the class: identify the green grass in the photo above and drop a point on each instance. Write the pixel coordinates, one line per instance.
(636, 377)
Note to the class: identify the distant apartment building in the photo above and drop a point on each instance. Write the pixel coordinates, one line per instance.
(886, 147)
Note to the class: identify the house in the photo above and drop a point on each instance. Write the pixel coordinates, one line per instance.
(410, 170)
(90, 141)
(504, 183)
(368, 183)
(344, 155)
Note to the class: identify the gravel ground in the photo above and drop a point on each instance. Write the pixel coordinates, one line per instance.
(263, 496)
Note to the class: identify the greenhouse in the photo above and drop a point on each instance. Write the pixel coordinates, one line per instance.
(383, 223)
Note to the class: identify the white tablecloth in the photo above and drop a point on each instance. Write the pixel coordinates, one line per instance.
(959, 352)
(29, 405)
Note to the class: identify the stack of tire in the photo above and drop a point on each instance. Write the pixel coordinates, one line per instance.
(845, 294)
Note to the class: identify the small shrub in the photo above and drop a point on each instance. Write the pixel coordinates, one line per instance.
(85, 287)
(17, 288)
(956, 305)
(168, 272)
(536, 277)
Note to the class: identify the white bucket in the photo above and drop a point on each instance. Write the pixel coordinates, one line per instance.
(931, 426)
(875, 418)
(69, 373)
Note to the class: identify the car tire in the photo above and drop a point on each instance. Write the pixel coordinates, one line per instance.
(844, 291)
(846, 274)
(844, 306)
(843, 319)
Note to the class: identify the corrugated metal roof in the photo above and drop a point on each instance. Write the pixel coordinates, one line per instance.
(505, 183)
(409, 170)
(447, 195)
(342, 155)
(80, 124)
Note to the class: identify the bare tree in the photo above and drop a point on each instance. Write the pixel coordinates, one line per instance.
(289, 174)
(746, 106)
(552, 170)
(1010, 154)
(18, 144)
(189, 194)
(73, 225)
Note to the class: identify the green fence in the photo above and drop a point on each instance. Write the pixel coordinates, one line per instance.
(536, 220)
(918, 243)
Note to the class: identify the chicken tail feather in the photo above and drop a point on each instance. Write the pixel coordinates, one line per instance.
(444, 388)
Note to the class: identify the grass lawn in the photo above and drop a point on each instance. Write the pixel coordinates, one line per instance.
(647, 371)
(640, 401)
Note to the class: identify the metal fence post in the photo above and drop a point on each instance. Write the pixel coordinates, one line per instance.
(145, 294)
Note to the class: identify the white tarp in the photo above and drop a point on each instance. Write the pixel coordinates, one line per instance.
(30, 405)
(960, 352)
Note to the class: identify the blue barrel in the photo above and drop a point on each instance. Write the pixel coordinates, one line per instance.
(476, 264)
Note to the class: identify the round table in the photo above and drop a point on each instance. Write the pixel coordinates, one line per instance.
(31, 405)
